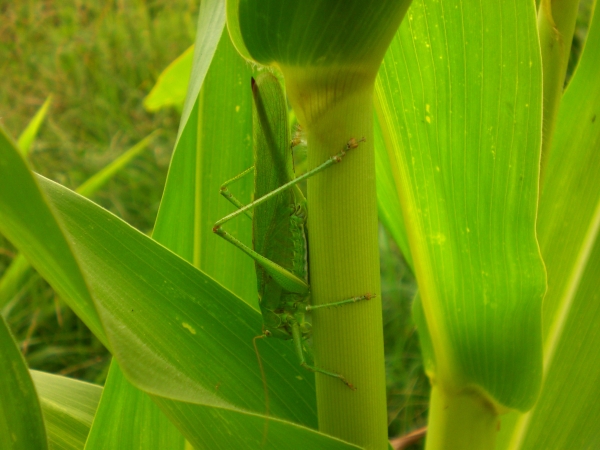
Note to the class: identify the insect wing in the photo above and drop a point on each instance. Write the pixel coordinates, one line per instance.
(272, 233)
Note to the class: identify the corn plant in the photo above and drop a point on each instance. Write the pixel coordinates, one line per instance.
(486, 178)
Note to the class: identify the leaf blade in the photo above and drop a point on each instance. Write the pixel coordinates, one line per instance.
(461, 187)
(68, 406)
(128, 418)
(21, 423)
(31, 226)
(569, 221)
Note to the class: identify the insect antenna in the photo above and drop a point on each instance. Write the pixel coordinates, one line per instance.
(265, 387)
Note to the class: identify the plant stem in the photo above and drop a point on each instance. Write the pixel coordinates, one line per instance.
(460, 421)
(344, 258)
(556, 25)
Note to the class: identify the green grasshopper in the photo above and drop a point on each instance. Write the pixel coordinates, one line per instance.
(279, 239)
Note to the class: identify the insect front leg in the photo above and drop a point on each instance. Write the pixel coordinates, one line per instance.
(297, 339)
(244, 209)
(229, 196)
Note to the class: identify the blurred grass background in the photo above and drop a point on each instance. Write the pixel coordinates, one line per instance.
(99, 59)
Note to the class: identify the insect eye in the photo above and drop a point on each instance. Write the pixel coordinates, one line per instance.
(267, 333)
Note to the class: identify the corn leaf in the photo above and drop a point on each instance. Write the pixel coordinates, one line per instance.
(19, 271)
(567, 413)
(27, 221)
(214, 146)
(171, 87)
(128, 418)
(285, 32)
(68, 406)
(465, 140)
(21, 423)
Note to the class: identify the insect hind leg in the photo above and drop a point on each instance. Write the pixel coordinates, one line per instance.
(297, 338)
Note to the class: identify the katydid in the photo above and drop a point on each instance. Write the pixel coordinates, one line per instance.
(280, 248)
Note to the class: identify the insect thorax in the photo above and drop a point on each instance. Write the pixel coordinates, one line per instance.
(278, 323)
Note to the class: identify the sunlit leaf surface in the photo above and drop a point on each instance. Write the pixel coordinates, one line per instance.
(459, 102)
(215, 146)
(171, 87)
(69, 407)
(568, 412)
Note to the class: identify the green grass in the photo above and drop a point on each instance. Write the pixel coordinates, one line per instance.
(407, 385)
(99, 60)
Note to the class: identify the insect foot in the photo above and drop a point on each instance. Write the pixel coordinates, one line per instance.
(352, 143)
(347, 383)
(326, 372)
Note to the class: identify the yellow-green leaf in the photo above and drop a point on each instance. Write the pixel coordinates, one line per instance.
(21, 423)
(459, 102)
(215, 145)
(69, 407)
(568, 412)
(171, 87)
